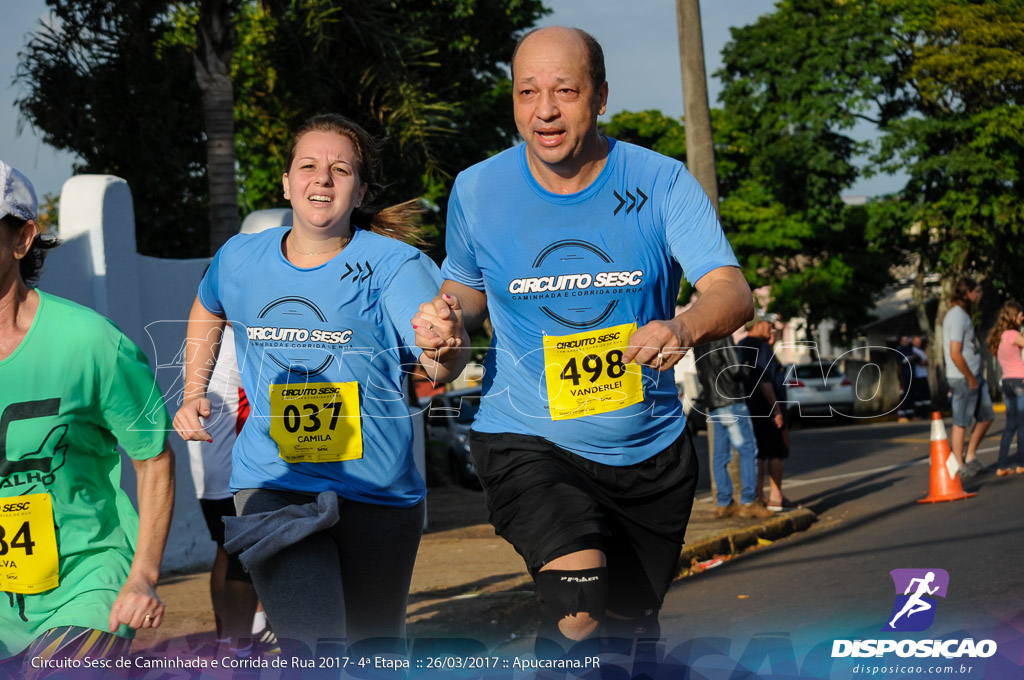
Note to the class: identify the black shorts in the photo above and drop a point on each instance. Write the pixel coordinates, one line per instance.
(548, 502)
(214, 512)
(770, 441)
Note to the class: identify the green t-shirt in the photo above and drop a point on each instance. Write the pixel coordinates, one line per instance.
(71, 391)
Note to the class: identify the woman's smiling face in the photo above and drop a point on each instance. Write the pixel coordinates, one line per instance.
(323, 182)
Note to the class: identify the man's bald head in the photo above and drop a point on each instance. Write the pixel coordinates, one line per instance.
(592, 48)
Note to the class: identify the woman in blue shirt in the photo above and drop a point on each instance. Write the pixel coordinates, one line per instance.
(321, 312)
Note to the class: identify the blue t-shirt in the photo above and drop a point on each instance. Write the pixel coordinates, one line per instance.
(341, 329)
(563, 265)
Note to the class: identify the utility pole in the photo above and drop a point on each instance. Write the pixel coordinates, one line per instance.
(700, 152)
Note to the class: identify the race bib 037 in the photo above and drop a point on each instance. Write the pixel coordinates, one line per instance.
(316, 422)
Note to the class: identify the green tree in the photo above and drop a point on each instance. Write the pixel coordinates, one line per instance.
(98, 85)
(962, 145)
(796, 82)
(942, 80)
(215, 43)
(649, 129)
(428, 77)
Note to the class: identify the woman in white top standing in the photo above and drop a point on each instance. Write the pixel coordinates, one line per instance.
(1005, 342)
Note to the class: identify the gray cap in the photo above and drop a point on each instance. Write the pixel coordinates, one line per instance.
(17, 197)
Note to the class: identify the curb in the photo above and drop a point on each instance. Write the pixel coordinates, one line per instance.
(736, 541)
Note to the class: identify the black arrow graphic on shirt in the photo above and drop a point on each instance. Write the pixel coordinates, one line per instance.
(622, 202)
(348, 270)
(359, 272)
(369, 271)
(639, 207)
(632, 201)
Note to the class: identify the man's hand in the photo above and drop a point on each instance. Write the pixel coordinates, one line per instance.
(659, 344)
(136, 606)
(439, 328)
(187, 421)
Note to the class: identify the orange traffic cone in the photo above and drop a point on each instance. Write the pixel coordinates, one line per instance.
(945, 485)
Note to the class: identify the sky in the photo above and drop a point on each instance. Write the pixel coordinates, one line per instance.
(640, 41)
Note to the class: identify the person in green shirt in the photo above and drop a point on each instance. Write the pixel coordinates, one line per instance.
(78, 566)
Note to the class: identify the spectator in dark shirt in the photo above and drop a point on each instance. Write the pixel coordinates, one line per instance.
(764, 393)
(722, 378)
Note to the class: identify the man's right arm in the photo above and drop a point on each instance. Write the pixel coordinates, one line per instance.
(473, 301)
(443, 336)
(449, 317)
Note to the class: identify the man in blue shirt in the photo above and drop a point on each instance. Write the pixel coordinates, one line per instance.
(575, 244)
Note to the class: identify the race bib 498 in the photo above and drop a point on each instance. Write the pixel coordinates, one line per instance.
(585, 374)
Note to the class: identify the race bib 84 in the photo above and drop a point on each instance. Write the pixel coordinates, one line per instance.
(28, 544)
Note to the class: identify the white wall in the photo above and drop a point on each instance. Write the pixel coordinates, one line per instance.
(148, 298)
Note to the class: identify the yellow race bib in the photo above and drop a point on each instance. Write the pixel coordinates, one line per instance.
(28, 545)
(585, 374)
(316, 422)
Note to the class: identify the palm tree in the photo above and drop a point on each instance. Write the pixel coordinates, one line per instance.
(215, 41)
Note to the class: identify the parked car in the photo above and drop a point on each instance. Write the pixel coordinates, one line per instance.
(817, 388)
(448, 418)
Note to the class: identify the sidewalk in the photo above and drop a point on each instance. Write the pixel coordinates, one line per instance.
(467, 581)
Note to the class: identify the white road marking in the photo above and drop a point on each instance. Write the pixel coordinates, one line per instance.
(791, 482)
(864, 473)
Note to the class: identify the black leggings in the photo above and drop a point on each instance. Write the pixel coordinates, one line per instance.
(350, 581)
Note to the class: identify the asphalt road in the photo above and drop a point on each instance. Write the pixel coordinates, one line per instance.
(832, 581)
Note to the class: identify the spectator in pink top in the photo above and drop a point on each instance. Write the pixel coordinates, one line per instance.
(1005, 342)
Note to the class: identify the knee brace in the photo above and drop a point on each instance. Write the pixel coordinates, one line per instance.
(566, 593)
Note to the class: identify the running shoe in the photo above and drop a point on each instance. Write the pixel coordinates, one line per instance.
(786, 504)
(266, 641)
(724, 511)
(754, 510)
